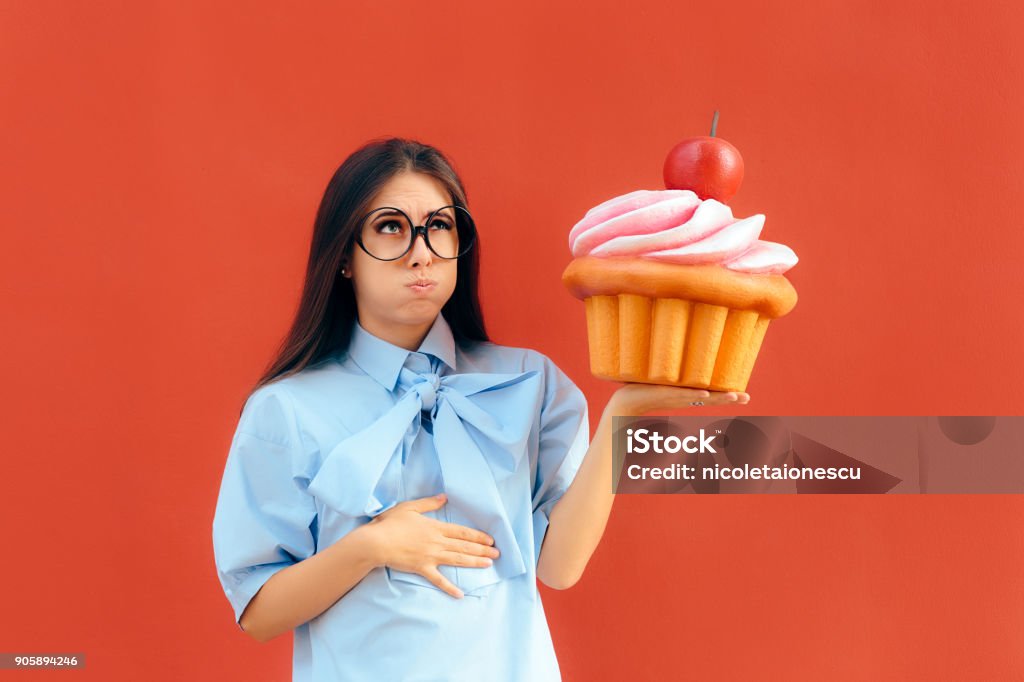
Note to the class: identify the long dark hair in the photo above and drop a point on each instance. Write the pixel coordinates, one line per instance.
(327, 309)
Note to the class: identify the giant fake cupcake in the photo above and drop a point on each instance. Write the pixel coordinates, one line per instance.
(677, 290)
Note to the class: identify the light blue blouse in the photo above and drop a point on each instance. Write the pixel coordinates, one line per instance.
(501, 430)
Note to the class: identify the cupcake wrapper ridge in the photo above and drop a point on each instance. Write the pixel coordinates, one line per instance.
(671, 341)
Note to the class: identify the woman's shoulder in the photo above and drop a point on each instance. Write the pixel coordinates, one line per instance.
(325, 382)
(311, 407)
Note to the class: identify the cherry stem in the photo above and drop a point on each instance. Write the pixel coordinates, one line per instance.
(714, 124)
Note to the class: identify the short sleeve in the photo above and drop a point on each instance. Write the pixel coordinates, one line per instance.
(264, 520)
(564, 440)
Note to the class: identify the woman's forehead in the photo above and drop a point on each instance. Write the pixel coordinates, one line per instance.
(414, 192)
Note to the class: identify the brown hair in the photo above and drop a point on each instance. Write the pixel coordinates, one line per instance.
(327, 308)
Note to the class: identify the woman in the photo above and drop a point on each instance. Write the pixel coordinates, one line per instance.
(397, 483)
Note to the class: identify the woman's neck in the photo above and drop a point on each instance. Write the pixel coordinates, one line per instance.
(409, 337)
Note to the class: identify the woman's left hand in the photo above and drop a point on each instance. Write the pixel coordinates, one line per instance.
(638, 399)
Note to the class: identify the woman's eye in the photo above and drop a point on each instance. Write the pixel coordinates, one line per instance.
(439, 224)
(390, 227)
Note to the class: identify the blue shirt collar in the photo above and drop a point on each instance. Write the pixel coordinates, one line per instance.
(383, 360)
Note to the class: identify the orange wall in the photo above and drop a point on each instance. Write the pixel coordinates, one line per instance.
(163, 163)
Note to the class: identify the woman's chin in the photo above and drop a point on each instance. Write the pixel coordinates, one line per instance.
(420, 311)
(431, 299)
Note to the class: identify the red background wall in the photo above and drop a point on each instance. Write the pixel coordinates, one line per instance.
(163, 163)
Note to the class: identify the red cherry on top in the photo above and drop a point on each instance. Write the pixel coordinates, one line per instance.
(709, 166)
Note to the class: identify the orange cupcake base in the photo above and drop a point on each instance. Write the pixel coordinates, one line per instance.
(671, 341)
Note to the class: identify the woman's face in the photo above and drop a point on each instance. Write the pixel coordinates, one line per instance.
(388, 305)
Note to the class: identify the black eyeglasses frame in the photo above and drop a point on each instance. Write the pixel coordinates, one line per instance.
(422, 229)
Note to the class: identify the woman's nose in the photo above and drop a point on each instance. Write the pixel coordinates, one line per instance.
(420, 254)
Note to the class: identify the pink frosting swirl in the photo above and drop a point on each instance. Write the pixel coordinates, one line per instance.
(675, 226)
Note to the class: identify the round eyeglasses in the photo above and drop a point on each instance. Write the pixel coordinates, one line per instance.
(387, 233)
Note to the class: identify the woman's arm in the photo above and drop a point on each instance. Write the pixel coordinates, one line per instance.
(579, 518)
(306, 589)
(402, 538)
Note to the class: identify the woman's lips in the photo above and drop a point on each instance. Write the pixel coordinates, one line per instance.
(425, 285)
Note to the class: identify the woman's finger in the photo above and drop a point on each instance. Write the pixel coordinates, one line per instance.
(682, 396)
(722, 398)
(424, 504)
(467, 547)
(713, 399)
(641, 398)
(434, 576)
(450, 558)
(459, 532)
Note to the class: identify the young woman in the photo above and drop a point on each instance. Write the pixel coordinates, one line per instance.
(397, 483)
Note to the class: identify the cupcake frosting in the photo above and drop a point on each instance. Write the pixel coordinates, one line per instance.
(675, 226)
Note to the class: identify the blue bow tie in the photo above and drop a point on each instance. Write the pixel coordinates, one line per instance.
(479, 443)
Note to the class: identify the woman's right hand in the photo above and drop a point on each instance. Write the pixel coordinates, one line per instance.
(411, 542)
